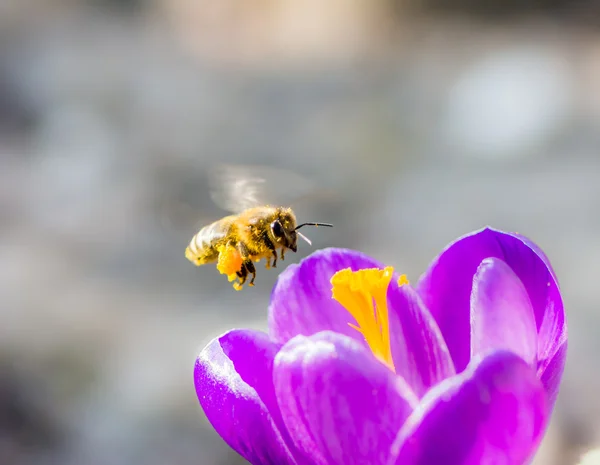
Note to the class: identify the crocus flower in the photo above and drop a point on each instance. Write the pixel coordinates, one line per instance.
(360, 367)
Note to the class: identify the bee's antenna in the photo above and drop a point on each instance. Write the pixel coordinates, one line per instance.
(313, 224)
(304, 237)
(310, 224)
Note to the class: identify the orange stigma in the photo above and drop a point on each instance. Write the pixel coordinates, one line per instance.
(363, 294)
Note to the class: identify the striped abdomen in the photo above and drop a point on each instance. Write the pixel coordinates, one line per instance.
(203, 248)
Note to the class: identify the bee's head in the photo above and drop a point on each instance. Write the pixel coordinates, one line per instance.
(283, 229)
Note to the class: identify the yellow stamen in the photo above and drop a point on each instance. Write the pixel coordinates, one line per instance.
(402, 280)
(363, 294)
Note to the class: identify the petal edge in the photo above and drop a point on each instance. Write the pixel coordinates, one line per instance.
(494, 412)
(235, 409)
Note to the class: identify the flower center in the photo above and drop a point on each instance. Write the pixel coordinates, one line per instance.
(363, 294)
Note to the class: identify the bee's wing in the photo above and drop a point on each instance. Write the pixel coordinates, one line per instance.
(238, 187)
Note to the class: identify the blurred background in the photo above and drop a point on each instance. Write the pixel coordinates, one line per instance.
(423, 120)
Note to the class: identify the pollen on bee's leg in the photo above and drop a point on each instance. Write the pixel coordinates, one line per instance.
(363, 294)
(230, 261)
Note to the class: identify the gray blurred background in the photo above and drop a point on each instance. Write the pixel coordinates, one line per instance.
(423, 119)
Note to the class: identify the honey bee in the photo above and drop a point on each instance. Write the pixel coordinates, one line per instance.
(256, 230)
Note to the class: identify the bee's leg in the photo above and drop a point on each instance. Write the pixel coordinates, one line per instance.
(269, 264)
(242, 275)
(249, 267)
(267, 241)
(274, 264)
(282, 251)
(244, 252)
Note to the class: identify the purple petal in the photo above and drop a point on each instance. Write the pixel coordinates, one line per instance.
(495, 412)
(301, 301)
(419, 351)
(233, 377)
(339, 403)
(501, 313)
(539, 252)
(552, 372)
(301, 304)
(446, 289)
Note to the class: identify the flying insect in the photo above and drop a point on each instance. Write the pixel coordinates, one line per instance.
(255, 231)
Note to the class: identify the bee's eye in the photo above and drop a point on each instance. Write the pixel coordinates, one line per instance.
(277, 229)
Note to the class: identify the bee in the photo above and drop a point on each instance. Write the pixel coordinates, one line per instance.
(255, 231)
